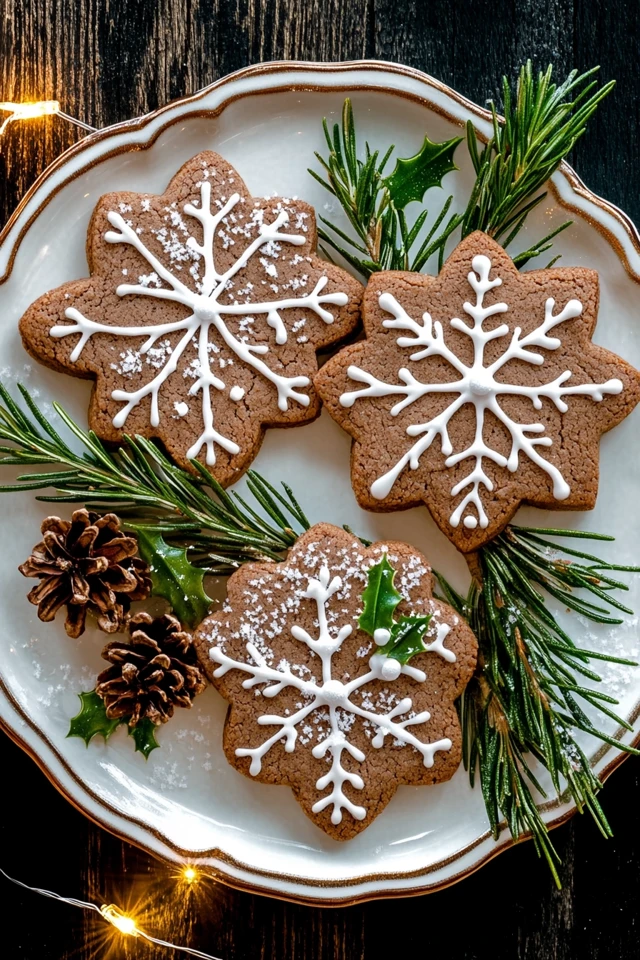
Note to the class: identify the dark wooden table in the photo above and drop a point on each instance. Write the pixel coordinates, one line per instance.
(108, 60)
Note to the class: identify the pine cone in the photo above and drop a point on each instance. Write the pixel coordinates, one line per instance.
(86, 563)
(154, 673)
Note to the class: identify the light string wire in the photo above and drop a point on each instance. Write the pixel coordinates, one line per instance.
(39, 108)
(113, 915)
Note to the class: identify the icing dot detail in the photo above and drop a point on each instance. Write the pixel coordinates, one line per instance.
(391, 669)
(205, 311)
(333, 691)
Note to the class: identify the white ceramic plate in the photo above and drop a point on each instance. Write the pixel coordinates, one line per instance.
(187, 803)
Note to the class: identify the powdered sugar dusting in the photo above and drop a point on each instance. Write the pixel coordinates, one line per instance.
(203, 301)
(336, 690)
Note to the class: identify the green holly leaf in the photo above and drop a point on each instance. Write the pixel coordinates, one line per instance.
(144, 737)
(172, 575)
(413, 176)
(380, 598)
(406, 638)
(92, 721)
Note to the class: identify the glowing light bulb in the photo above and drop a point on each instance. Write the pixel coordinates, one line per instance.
(189, 875)
(28, 111)
(114, 915)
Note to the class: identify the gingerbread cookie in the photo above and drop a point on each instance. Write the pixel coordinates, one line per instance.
(341, 671)
(478, 390)
(201, 319)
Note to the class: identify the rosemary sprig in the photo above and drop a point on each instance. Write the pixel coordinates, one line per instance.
(528, 697)
(541, 125)
(525, 699)
(221, 530)
(384, 239)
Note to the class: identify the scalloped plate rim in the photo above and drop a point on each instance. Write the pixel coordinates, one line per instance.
(272, 77)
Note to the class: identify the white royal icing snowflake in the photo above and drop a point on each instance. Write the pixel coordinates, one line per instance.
(188, 275)
(335, 696)
(476, 384)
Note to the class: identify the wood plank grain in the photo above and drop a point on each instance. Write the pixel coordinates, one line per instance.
(107, 60)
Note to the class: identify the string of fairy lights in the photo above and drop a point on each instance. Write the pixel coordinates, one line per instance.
(123, 923)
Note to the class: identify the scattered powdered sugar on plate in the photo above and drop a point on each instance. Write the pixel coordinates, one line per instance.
(59, 682)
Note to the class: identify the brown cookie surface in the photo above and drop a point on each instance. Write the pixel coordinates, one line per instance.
(477, 390)
(201, 319)
(315, 701)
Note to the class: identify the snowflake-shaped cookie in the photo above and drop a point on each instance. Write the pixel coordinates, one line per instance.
(318, 700)
(477, 390)
(202, 316)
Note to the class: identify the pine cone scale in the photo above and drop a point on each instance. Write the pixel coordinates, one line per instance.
(102, 596)
(113, 687)
(79, 589)
(162, 660)
(141, 637)
(179, 680)
(129, 672)
(75, 621)
(107, 524)
(55, 546)
(85, 540)
(120, 708)
(36, 567)
(118, 652)
(140, 571)
(117, 552)
(49, 596)
(43, 589)
(95, 566)
(55, 525)
(119, 579)
(112, 620)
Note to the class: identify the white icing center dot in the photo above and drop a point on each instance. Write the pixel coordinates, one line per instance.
(236, 393)
(381, 636)
(470, 523)
(333, 691)
(182, 409)
(203, 310)
(481, 387)
(391, 669)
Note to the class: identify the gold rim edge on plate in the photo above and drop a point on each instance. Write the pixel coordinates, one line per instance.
(139, 123)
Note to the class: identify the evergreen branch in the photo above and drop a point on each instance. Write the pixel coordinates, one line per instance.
(524, 697)
(541, 125)
(145, 487)
(383, 240)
